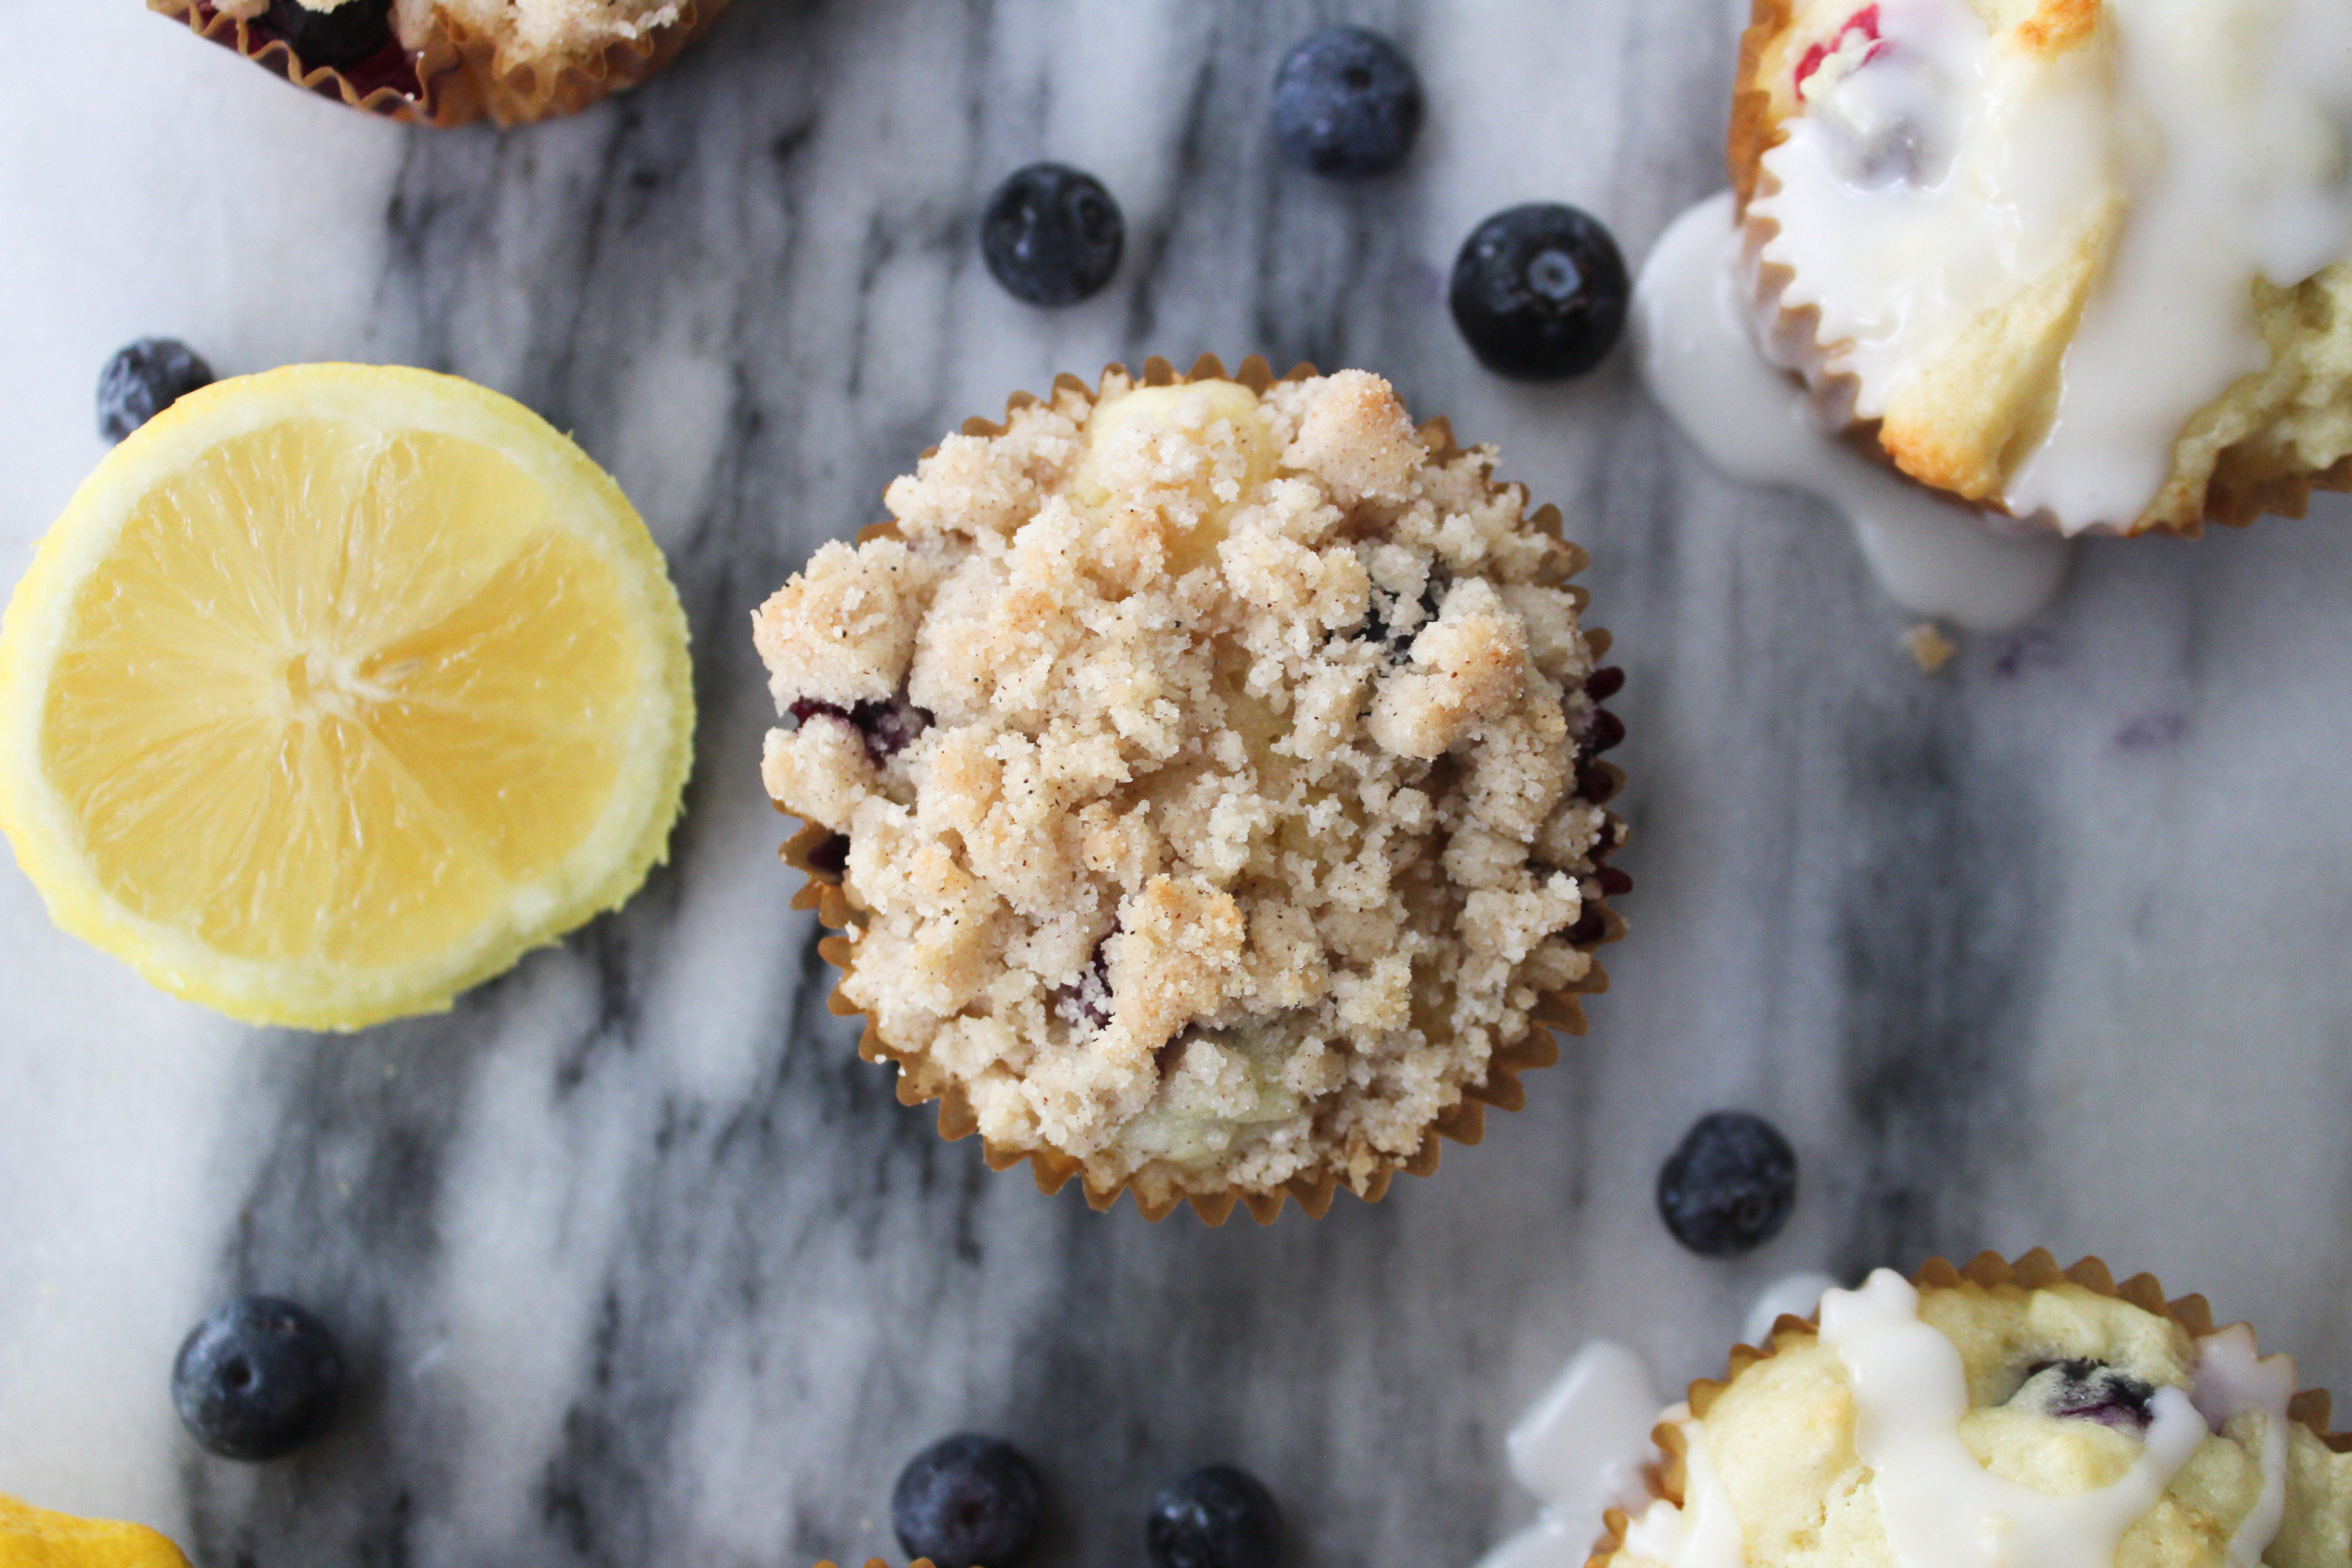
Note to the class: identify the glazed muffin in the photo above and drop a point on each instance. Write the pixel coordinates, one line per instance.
(2080, 261)
(444, 62)
(1205, 773)
(2004, 1414)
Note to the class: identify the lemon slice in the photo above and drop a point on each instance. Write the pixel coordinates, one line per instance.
(336, 687)
(36, 1538)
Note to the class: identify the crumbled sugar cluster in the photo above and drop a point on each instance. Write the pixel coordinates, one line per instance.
(1208, 765)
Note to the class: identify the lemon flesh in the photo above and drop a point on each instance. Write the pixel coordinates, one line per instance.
(336, 687)
(36, 1538)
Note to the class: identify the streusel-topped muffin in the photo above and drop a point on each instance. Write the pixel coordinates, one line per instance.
(2081, 260)
(2008, 1415)
(1210, 770)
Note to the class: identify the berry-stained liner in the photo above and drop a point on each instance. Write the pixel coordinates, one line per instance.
(2032, 1271)
(457, 76)
(819, 856)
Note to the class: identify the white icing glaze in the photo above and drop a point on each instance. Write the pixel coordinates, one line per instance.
(1580, 1449)
(1793, 1296)
(1698, 356)
(1583, 1445)
(1702, 1534)
(1940, 1507)
(1944, 174)
(2231, 1380)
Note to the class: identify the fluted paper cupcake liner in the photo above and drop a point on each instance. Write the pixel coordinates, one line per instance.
(2032, 1271)
(457, 75)
(816, 853)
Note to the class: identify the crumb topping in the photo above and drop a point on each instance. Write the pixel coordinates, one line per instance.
(1208, 763)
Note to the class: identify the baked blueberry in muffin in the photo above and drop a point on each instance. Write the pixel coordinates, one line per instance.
(2006, 1414)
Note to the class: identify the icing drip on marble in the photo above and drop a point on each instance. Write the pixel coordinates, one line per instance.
(1940, 1507)
(1698, 356)
(2231, 1380)
(1580, 1450)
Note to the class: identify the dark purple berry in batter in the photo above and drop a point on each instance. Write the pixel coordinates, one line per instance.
(2087, 1390)
(351, 32)
(886, 726)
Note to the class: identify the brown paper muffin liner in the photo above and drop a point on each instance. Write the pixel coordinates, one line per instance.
(818, 855)
(2238, 491)
(2032, 1271)
(457, 76)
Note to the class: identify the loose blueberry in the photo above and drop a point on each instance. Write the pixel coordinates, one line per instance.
(887, 726)
(1347, 103)
(1217, 1517)
(144, 379)
(967, 1501)
(2088, 1390)
(1539, 292)
(258, 1378)
(1728, 1186)
(345, 35)
(1050, 235)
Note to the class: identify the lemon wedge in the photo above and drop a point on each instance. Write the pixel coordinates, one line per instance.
(36, 1538)
(336, 688)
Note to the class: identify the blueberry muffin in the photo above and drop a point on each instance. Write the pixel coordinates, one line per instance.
(2003, 1414)
(1206, 773)
(2077, 261)
(444, 62)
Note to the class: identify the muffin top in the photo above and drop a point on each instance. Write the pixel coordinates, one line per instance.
(2082, 259)
(1208, 760)
(1971, 1426)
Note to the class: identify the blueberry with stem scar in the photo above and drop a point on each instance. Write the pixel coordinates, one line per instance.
(967, 1501)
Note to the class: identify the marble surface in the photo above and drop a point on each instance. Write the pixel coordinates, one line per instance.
(642, 1265)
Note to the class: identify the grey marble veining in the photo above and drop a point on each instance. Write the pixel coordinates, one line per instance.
(643, 1267)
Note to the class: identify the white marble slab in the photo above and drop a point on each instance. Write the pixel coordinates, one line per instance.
(644, 1267)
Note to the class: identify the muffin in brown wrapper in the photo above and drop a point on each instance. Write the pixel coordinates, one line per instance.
(451, 74)
(1668, 1478)
(2262, 447)
(820, 854)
